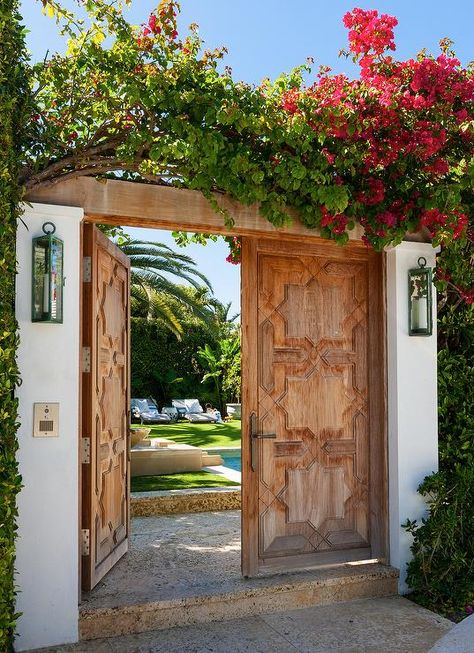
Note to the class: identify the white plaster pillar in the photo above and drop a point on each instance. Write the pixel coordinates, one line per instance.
(47, 563)
(412, 403)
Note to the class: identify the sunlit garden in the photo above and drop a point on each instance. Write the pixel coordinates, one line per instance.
(378, 155)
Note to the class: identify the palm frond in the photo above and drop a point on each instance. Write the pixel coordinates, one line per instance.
(155, 292)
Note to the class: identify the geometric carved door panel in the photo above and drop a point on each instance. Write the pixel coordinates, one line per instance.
(309, 495)
(105, 402)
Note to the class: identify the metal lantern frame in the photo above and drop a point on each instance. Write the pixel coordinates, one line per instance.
(47, 277)
(420, 300)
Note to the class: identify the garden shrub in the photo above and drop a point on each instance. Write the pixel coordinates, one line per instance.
(456, 410)
(441, 573)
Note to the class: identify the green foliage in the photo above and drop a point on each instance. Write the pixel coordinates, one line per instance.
(441, 573)
(455, 383)
(222, 365)
(166, 368)
(155, 294)
(184, 238)
(14, 98)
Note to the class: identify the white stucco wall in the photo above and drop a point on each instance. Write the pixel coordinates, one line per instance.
(412, 403)
(47, 546)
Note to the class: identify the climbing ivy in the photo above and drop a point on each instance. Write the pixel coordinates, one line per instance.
(13, 101)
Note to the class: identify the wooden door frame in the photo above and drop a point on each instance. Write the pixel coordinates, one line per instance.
(131, 204)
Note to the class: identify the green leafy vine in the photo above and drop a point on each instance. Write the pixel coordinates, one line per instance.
(14, 96)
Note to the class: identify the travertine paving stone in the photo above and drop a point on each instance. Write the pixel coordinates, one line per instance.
(383, 625)
(171, 557)
(188, 555)
(390, 624)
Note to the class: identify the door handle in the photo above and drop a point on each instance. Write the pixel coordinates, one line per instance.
(254, 436)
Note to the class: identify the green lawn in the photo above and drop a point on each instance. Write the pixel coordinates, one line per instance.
(179, 481)
(199, 435)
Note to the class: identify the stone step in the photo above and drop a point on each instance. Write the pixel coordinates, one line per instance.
(261, 595)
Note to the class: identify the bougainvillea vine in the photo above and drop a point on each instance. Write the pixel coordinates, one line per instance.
(392, 151)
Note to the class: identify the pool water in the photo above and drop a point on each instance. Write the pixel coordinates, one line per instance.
(232, 460)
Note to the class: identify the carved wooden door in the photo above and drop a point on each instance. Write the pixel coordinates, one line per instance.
(105, 404)
(313, 405)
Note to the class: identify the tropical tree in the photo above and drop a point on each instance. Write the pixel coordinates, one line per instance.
(224, 319)
(154, 295)
(223, 367)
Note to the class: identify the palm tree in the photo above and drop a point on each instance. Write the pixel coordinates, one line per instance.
(224, 321)
(154, 294)
(219, 364)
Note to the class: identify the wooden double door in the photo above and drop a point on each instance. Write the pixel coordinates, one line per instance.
(313, 418)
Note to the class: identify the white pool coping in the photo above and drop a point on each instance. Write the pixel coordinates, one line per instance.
(221, 470)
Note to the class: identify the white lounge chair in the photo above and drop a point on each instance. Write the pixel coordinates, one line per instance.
(147, 412)
(192, 410)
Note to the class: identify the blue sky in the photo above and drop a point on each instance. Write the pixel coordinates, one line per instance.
(267, 37)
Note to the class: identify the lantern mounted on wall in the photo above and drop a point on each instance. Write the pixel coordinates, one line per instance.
(420, 300)
(48, 277)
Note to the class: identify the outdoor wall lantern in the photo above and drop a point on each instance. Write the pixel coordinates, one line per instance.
(420, 300)
(48, 277)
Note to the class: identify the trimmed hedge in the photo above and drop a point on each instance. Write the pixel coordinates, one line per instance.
(166, 368)
(13, 99)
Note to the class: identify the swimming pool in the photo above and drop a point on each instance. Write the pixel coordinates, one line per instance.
(231, 458)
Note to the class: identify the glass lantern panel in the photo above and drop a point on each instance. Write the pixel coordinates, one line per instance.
(420, 305)
(41, 281)
(56, 281)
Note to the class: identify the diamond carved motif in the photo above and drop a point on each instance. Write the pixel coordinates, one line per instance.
(313, 311)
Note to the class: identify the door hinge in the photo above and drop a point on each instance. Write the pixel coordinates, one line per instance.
(86, 359)
(87, 269)
(85, 542)
(85, 451)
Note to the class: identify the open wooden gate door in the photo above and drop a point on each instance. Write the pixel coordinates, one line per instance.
(105, 405)
(314, 469)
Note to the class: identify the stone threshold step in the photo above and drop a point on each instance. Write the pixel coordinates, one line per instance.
(320, 587)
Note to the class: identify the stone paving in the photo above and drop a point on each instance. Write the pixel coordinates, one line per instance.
(383, 625)
(188, 555)
(175, 558)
